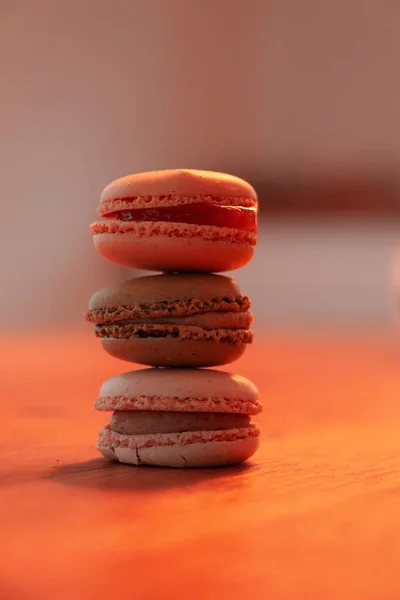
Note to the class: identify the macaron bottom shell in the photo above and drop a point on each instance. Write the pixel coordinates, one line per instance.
(198, 454)
(172, 352)
(175, 254)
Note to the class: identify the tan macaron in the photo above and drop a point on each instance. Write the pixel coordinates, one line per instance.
(173, 320)
(179, 418)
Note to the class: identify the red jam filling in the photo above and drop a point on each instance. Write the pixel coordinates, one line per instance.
(235, 217)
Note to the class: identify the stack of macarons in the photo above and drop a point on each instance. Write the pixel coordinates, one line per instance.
(188, 225)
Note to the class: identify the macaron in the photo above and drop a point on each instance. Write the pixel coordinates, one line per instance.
(179, 418)
(177, 220)
(173, 320)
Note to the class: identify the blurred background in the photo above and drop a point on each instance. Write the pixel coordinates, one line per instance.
(300, 98)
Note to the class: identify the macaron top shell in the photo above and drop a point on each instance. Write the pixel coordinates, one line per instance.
(152, 294)
(155, 188)
(194, 390)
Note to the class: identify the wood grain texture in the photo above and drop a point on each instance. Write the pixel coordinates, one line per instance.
(315, 514)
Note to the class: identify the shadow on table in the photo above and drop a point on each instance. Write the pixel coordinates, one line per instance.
(102, 474)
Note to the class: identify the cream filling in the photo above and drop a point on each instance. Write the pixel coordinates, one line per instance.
(131, 422)
(210, 320)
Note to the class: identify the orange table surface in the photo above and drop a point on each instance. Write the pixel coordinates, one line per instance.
(315, 514)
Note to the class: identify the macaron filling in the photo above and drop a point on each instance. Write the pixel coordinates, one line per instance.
(219, 320)
(130, 422)
(211, 320)
(200, 213)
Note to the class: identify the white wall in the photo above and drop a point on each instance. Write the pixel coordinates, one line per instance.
(93, 89)
(319, 273)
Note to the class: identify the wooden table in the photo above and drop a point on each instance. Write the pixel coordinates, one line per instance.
(315, 515)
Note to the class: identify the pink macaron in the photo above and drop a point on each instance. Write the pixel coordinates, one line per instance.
(178, 220)
(179, 418)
